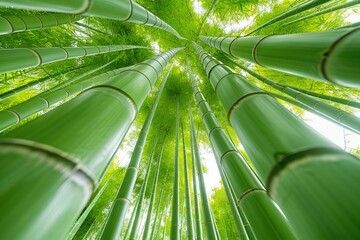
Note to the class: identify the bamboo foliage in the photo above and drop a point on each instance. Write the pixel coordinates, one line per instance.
(336, 115)
(21, 58)
(175, 230)
(189, 221)
(288, 155)
(122, 10)
(208, 219)
(333, 55)
(263, 214)
(328, 10)
(292, 12)
(120, 206)
(17, 90)
(61, 174)
(13, 24)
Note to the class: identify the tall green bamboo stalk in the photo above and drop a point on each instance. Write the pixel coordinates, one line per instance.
(292, 12)
(15, 114)
(138, 218)
(328, 10)
(189, 221)
(124, 10)
(263, 214)
(333, 55)
(70, 235)
(342, 101)
(56, 175)
(120, 206)
(132, 218)
(13, 24)
(323, 109)
(209, 223)
(21, 58)
(154, 226)
(198, 230)
(288, 155)
(152, 198)
(175, 230)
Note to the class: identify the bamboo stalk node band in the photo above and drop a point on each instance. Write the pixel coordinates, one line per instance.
(119, 91)
(141, 73)
(241, 99)
(249, 192)
(14, 113)
(254, 53)
(327, 54)
(222, 78)
(68, 164)
(296, 157)
(149, 65)
(38, 56)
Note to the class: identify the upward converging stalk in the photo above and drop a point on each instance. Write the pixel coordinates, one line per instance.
(333, 56)
(120, 206)
(266, 219)
(287, 154)
(189, 221)
(209, 221)
(175, 230)
(122, 10)
(61, 174)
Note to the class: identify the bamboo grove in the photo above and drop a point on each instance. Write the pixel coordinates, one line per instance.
(172, 119)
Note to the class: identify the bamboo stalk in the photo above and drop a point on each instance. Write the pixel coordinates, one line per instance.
(209, 222)
(132, 218)
(199, 234)
(333, 55)
(328, 10)
(189, 221)
(13, 115)
(336, 115)
(57, 175)
(21, 58)
(146, 233)
(14, 24)
(175, 230)
(124, 10)
(292, 12)
(71, 234)
(117, 214)
(137, 219)
(265, 218)
(302, 170)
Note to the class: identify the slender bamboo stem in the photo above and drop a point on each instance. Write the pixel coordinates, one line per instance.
(175, 230)
(137, 219)
(189, 221)
(292, 12)
(117, 214)
(337, 115)
(154, 226)
(209, 223)
(152, 198)
(328, 10)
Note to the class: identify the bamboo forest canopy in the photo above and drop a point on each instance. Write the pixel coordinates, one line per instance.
(179, 119)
